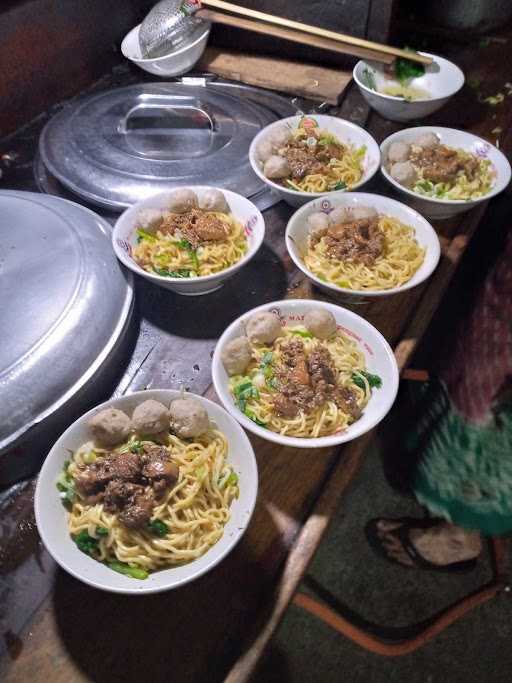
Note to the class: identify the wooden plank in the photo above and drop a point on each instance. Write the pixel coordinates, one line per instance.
(315, 82)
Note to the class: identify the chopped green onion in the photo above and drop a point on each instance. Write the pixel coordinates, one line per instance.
(89, 457)
(272, 383)
(101, 531)
(136, 447)
(302, 333)
(232, 479)
(340, 186)
(158, 528)
(145, 235)
(87, 544)
(266, 358)
(181, 273)
(128, 570)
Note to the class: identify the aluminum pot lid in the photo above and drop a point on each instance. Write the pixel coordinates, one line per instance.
(119, 146)
(65, 303)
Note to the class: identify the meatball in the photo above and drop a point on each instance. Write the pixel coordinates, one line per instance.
(150, 219)
(188, 418)
(398, 151)
(236, 356)
(404, 173)
(276, 167)
(426, 140)
(150, 417)
(110, 426)
(340, 215)
(263, 328)
(182, 201)
(265, 150)
(360, 213)
(320, 323)
(280, 137)
(214, 200)
(318, 223)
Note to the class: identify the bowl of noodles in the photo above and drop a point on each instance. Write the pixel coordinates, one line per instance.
(190, 240)
(146, 492)
(305, 373)
(362, 245)
(302, 157)
(443, 171)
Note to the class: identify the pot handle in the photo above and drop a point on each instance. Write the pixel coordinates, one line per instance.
(146, 116)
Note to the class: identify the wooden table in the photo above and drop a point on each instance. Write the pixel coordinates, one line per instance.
(60, 630)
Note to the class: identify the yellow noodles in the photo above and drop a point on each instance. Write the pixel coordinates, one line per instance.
(401, 259)
(324, 420)
(195, 510)
(164, 253)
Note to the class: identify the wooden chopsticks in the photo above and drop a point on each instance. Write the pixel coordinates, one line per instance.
(349, 42)
(294, 36)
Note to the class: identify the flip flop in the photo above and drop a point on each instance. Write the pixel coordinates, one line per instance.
(401, 533)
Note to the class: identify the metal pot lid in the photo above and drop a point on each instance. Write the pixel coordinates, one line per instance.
(65, 303)
(119, 146)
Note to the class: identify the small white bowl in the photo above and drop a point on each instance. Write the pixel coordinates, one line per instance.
(297, 232)
(379, 360)
(175, 63)
(124, 239)
(442, 79)
(345, 131)
(51, 515)
(446, 208)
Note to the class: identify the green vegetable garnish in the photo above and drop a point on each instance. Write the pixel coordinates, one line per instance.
(181, 273)
(145, 235)
(246, 390)
(301, 333)
(201, 472)
(66, 486)
(158, 528)
(272, 383)
(101, 531)
(253, 417)
(128, 570)
(232, 479)
(373, 380)
(266, 358)
(369, 79)
(340, 186)
(136, 447)
(405, 69)
(89, 457)
(87, 544)
(184, 244)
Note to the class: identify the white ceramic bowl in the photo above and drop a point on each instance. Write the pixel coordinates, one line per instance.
(344, 130)
(297, 232)
(51, 515)
(174, 64)
(379, 360)
(124, 239)
(446, 208)
(442, 79)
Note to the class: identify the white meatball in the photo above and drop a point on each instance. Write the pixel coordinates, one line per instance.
(320, 323)
(263, 328)
(404, 173)
(360, 213)
(110, 426)
(276, 167)
(318, 224)
(150, 219)
(236, 356)
(265, 150)
(214, 200)
(398, 151)
(280, 137)
(188, 418)
(182, 200)
(426, 140)
(340, 215)
(150, 417)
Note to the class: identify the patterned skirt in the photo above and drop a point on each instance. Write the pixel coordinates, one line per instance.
(463, 430)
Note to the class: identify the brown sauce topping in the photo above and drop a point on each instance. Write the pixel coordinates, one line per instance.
(309, 381)
(195, 226)
(128, 484)
(440, 164)
(361, 241)
(304, 159)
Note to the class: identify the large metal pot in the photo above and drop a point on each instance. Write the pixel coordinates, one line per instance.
(477, 16)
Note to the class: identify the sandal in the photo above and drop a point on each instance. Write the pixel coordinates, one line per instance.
(401, 533)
